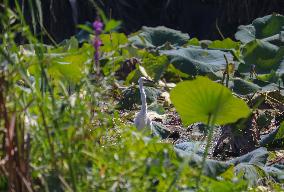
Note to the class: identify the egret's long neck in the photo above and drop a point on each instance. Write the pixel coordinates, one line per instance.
(143, 97)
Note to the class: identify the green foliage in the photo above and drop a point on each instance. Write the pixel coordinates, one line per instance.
(65, 63)
(261, 28)
(111, 25)
(194, 60)
(280, 132)
(155, 65)
(194, 41)
(224, 44)
(212, 168)
(272, 77)
(244, 87)
(200, 99)
(264, 55)
(53, 104)
(150, 37)
(111, 42)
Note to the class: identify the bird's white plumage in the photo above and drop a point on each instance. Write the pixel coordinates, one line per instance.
(142, 120)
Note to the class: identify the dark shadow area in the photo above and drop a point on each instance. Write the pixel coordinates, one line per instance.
(198, 18)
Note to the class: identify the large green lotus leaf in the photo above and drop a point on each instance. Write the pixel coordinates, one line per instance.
(196, 100)
(252, 173)
(158, 36)
(244, 87)
(264, 55)
(272, 77)
(257, 157)
(191, 151)
(224, 44)
(276, 171)
(194, 60)
(267, 85)
(260, 28)
(251, 165)
(274, 139)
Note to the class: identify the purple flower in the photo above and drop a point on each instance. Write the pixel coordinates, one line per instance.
(98, 26)
(97, 43)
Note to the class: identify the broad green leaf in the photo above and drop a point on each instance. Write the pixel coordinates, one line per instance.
(224, 44)
(252, 173)
(276, 171)
(244, 87)
(111, 25)
(261, 28)
(160, 130)
(158, 36)
(197, 100)
(266, 85)
(112, 41)
(175, 71)
(112, 64)
(194, 60)
(265, 56)
(134, 75)
(270, 140)
(67, 66)
(194, 42)
(272, 77)
(155, 65)
(192, 152)
(257, 157)
(280, 133)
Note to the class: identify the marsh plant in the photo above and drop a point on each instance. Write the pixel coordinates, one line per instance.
(62, 130)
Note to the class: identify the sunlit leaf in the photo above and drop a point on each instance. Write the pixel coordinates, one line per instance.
(197, 100)
(155, 65)
(112, 41)
(224, 44)
(111, 25)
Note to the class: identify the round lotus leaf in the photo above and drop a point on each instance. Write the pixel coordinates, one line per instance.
(199, 99)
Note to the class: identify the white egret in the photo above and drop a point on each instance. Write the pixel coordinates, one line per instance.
(142, 119)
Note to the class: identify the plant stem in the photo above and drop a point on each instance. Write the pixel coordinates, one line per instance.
(209, 139)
